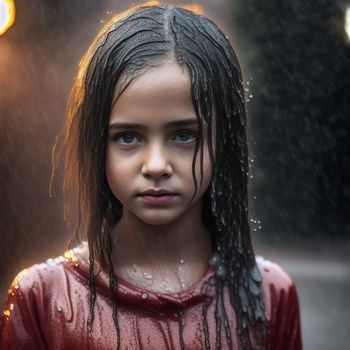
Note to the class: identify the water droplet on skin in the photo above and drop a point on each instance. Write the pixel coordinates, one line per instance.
(59, 308)
(182, 261)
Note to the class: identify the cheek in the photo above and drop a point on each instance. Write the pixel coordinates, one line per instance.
(207, 171)
(116, 174)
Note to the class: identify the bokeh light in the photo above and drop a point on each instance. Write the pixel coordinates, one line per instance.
(7, 15)
(347, 22)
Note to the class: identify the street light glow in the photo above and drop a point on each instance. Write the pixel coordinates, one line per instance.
(347, 22)
(7, 15)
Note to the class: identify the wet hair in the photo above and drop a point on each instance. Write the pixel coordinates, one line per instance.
(143, 37)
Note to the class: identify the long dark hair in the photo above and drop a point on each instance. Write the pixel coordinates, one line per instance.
(143, 37)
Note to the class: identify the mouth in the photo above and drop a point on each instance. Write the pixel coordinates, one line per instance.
(158, 198)
(157, 192)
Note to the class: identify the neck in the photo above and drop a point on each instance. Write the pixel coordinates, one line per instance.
(160, 249)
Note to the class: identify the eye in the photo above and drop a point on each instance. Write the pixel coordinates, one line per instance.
(185, 136)
(126, 139)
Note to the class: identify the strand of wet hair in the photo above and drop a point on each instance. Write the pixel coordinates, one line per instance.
(180, 315)
(113, 291)
(92, 289)
(205, 308)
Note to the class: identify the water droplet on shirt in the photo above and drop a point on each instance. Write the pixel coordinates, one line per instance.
(7, 313)
(147, 275)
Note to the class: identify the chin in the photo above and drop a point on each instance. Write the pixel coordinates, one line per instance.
(158, 219)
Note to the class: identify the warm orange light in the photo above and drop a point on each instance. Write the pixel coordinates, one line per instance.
(7, 15)
(196, 8)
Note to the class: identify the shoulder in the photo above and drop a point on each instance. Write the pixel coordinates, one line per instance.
(46, 281)
(281, 306)
(53, 272)
(278, 288)
(39, 275)
(273, 274)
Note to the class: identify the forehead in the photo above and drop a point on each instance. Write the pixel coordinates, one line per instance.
(160, 94)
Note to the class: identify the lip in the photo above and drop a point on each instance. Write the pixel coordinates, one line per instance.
(157, 196)
(159, 199)
(157, 192)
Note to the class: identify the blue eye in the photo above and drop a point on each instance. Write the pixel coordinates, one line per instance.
(185, 136)
(126, 139)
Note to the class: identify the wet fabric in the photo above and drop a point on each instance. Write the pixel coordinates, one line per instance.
(48, 307)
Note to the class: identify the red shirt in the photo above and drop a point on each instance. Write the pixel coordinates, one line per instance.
(48, 307)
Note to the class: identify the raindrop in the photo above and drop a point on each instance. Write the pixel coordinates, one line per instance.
(214, 260)
(221, 272)
(255, 274)
(244, 298)
(182, 261)
(147, 275)
(144, 295)
(254, 288)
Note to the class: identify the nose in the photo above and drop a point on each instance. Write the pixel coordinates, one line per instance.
(156, 162)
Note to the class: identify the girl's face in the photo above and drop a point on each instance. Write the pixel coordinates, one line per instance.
(151, 143)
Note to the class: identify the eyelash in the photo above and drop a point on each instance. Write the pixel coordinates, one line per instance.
(116, 137)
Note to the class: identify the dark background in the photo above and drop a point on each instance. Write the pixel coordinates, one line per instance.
(296, 64)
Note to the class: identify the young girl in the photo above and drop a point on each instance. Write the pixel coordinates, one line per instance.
(156, 168)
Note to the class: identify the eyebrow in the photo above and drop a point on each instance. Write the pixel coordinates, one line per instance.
(169, 125)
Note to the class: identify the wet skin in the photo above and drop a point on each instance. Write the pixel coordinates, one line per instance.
(156, 235)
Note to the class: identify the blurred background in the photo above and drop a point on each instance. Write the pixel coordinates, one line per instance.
(296, 64)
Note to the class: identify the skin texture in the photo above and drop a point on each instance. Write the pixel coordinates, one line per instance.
(166, 247)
